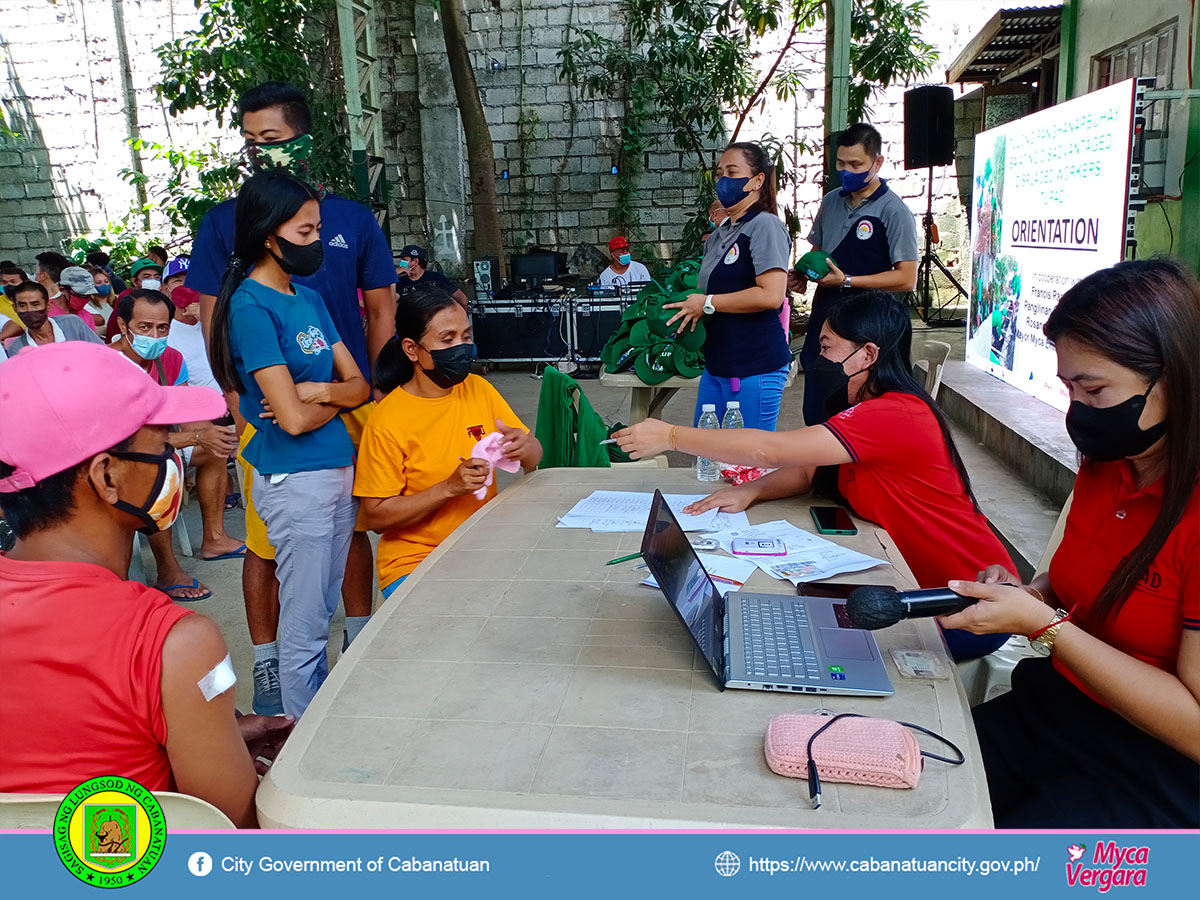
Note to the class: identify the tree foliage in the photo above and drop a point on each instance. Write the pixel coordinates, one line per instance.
(242, 43)
(692, 66)
(237, 45)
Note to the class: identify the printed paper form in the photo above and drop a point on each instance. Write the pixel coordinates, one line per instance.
(629, 510)
(809, 557)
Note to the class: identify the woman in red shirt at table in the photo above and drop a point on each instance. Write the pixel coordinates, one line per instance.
(1105, 732)
(896, 462)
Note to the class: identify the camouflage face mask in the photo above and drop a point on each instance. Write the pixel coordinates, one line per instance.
(291, 156)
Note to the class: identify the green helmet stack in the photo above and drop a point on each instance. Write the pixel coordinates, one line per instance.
(645, 344)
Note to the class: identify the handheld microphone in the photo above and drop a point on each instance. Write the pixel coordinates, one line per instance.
(873, 607)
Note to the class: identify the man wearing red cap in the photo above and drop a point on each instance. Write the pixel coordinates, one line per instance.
(115, 678)
(623, 269)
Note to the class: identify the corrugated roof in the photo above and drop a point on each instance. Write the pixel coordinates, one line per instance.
(1011, 37)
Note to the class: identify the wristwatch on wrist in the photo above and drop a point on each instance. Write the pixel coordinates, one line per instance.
(709, 309)
(846, 283)
(1043, 641)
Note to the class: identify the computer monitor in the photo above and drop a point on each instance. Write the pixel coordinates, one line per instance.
(534, 268)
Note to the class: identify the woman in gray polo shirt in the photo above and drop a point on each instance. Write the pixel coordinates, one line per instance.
(742, 285)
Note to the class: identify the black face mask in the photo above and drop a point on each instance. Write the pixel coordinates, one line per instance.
(451, 365)
(299, 259)
(828, 380)
(1109, 433)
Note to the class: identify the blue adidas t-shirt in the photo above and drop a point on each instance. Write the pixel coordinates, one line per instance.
(357, 257)
(267, 328)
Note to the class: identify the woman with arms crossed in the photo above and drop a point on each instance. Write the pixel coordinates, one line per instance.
(275, 344)
(896, 462)
(1105, 732)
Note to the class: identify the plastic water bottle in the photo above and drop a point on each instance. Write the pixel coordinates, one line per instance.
(733, 419)
(733, 415)
(707, 469)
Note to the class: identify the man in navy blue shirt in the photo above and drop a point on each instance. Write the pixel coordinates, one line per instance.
(412, 270)
(871, 237)
(277, 126)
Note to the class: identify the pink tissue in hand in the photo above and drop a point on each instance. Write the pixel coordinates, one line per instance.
(489, 448)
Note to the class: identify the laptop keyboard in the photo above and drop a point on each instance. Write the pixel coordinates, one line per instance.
(777, 639)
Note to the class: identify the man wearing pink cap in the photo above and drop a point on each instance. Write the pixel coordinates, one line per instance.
(115, 678)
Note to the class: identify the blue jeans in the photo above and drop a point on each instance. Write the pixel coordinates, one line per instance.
(759, 396)
(390, 589)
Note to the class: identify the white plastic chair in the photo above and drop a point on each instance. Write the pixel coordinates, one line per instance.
(934, 354)
(991, 675)
(181, 811)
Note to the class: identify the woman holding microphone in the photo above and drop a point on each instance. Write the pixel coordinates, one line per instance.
(742, 285)
(1104, 731)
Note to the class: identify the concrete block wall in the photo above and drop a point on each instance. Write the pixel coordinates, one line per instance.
(567, 192)
(61, 90)
(61, 87)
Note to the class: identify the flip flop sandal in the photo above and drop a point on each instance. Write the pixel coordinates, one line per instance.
(239, 553)
(195, 584)
(233, 501)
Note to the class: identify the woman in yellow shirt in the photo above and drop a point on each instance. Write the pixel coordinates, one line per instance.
(415, 476)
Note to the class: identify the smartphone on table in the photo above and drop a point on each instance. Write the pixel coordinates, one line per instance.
(832, 520)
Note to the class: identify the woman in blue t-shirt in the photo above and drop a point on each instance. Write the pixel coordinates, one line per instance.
(743, 282)
(274, 344)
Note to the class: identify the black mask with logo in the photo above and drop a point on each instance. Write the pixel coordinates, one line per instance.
(1109, 433)
(451, 365)
(299, 259)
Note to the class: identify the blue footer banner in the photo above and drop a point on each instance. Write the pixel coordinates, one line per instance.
(120, 850)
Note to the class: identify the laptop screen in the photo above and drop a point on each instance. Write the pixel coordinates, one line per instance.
(681, 577)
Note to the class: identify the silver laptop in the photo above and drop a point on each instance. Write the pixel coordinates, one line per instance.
(761, 642)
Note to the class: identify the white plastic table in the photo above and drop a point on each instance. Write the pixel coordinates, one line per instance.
(516, 681)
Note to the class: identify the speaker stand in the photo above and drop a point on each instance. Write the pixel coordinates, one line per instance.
(931, 315)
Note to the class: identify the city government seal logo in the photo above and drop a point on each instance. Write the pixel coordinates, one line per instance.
(110, 832)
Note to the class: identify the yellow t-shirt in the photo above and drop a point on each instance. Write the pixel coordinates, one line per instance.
(7, 310)
(409, 445)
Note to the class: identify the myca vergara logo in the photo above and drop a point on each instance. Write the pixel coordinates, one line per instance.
(110, 832)
(1108, 866)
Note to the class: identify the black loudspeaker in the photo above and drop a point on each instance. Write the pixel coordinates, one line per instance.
(928, 127)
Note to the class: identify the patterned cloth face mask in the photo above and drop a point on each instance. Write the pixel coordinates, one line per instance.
(162, 505)
(291, 155)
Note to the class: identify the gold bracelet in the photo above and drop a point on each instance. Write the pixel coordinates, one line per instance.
(674, 428)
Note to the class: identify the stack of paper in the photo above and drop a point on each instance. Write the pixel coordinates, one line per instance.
(629, 510)
(809, 557)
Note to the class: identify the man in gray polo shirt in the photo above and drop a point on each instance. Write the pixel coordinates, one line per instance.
(871, 237)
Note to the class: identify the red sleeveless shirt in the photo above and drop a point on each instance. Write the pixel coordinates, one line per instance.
(80, 677)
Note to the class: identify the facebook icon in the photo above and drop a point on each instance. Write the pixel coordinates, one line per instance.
(200, 864)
